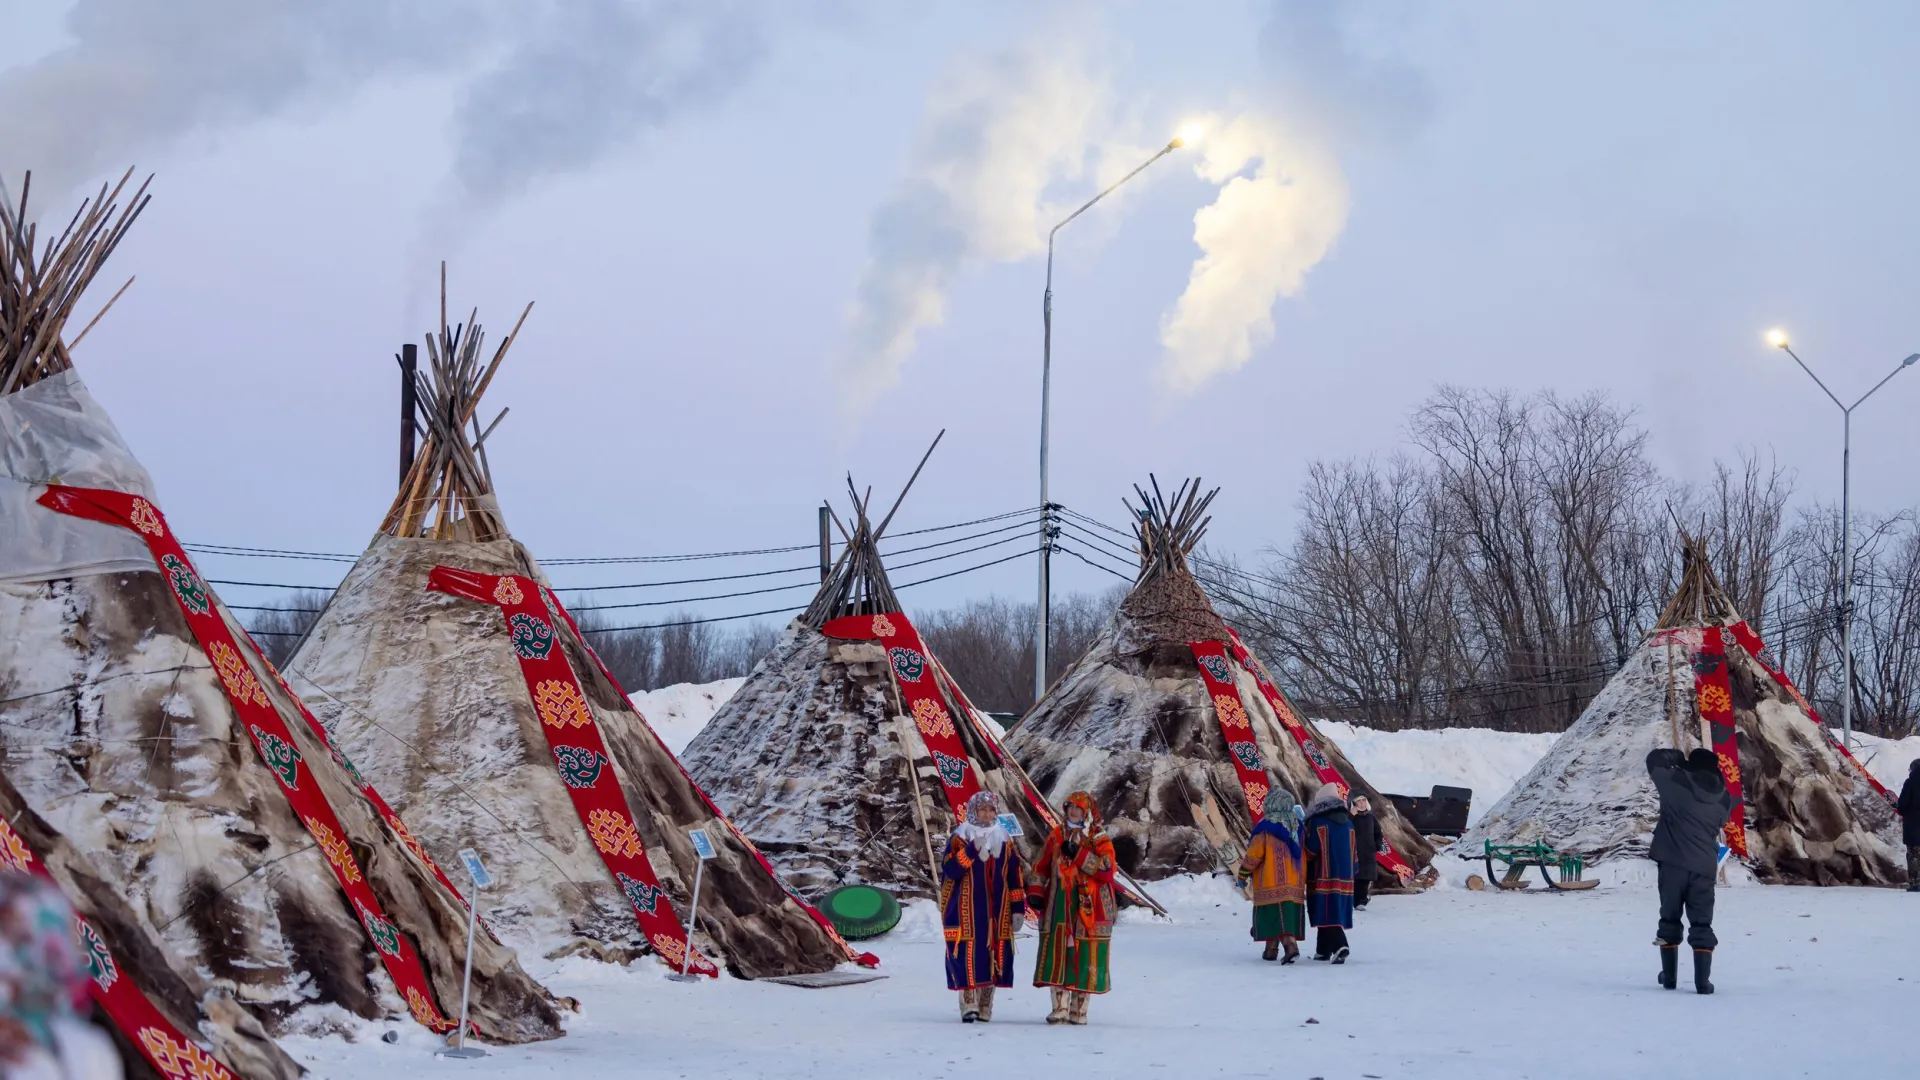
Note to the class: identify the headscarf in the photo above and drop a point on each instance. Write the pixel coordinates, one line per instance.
(988, 840)
(1276, 817)
(1327, 798)
(1083, 800)
(42, 981)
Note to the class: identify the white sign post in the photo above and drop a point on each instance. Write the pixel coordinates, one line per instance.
(481, 879)
(704, 848)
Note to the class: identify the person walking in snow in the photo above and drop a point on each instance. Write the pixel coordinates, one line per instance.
(1694, 804)
(1330, 857)
(1368, 841)
(1072, 888)
(1910, 824)
(983, 901)
(1272, 867)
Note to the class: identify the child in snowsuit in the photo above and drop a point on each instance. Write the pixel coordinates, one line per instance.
(983, 900)
(1272, 867)
(1072, 888)
(1694, 803)
(1328, 846)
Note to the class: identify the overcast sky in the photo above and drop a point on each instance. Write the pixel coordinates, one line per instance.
(769, 244)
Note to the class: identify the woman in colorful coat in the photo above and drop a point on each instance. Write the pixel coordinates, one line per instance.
(1328, 844)
(1273, 870)
(1072, 889)
(982, 903)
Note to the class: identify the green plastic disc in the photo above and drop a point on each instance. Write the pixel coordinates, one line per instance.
(861, 911)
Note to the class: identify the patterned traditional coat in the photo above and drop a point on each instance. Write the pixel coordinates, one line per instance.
(1273, 871)
(982, 904)
(1072, 885)
(1328, 845)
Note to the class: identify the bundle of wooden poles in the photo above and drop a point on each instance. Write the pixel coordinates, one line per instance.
(858, 584)
(448, 493)
(41, 282)
(1167, 530)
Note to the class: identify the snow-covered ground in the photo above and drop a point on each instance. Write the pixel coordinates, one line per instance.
(678, 712)
(1445, 984)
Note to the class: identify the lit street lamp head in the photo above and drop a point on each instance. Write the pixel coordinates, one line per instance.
(1777, 338)
(1189, 134)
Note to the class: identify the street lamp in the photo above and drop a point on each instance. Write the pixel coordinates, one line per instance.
(1047, 532)
(1778, 339)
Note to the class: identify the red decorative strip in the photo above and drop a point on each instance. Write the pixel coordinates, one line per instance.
(864, 959)
(1217, 673)
(915, 675)
(1006, 761)
(1713, 692)
(380, 806)
(1322, 767)
(579, 751)
(269, 733)
(1756, 648)
(172, 1054)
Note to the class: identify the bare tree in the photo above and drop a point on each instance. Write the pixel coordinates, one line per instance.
(285, 621)
(633, 655)
(1743, 514)
(988, 644)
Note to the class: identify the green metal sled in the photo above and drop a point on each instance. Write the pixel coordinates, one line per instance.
(1518, 857)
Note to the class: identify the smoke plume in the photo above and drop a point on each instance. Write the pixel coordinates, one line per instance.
(999, 131)
(1257, 239)
(1268, 228)
(547, 86)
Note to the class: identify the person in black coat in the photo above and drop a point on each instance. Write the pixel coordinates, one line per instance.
(1367, 842)
(1694, 804)
(1910, 827)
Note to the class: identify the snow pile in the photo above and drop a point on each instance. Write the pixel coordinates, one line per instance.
(1887, 759)
(678, 712)
(1412, 762)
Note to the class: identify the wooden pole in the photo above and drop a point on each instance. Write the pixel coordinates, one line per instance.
(409, 365)
(826, 542)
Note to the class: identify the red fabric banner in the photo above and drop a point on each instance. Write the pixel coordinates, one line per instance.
(172, 1054)
(1713, 691)
(269, 733)
(380, 806)
(1322, 767)
(1034, 798)
(579, 751)
(1234, 726)
(914, 673)
(864, 959)
(1756, 648)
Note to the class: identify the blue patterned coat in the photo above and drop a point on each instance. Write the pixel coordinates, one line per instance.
(1330, 857)
(982, 904)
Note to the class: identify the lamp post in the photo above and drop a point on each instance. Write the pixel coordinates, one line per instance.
(1778, 339)
(1046, 385)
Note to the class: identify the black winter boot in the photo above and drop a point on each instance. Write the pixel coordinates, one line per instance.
(1702, 967)
(1669, 966)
